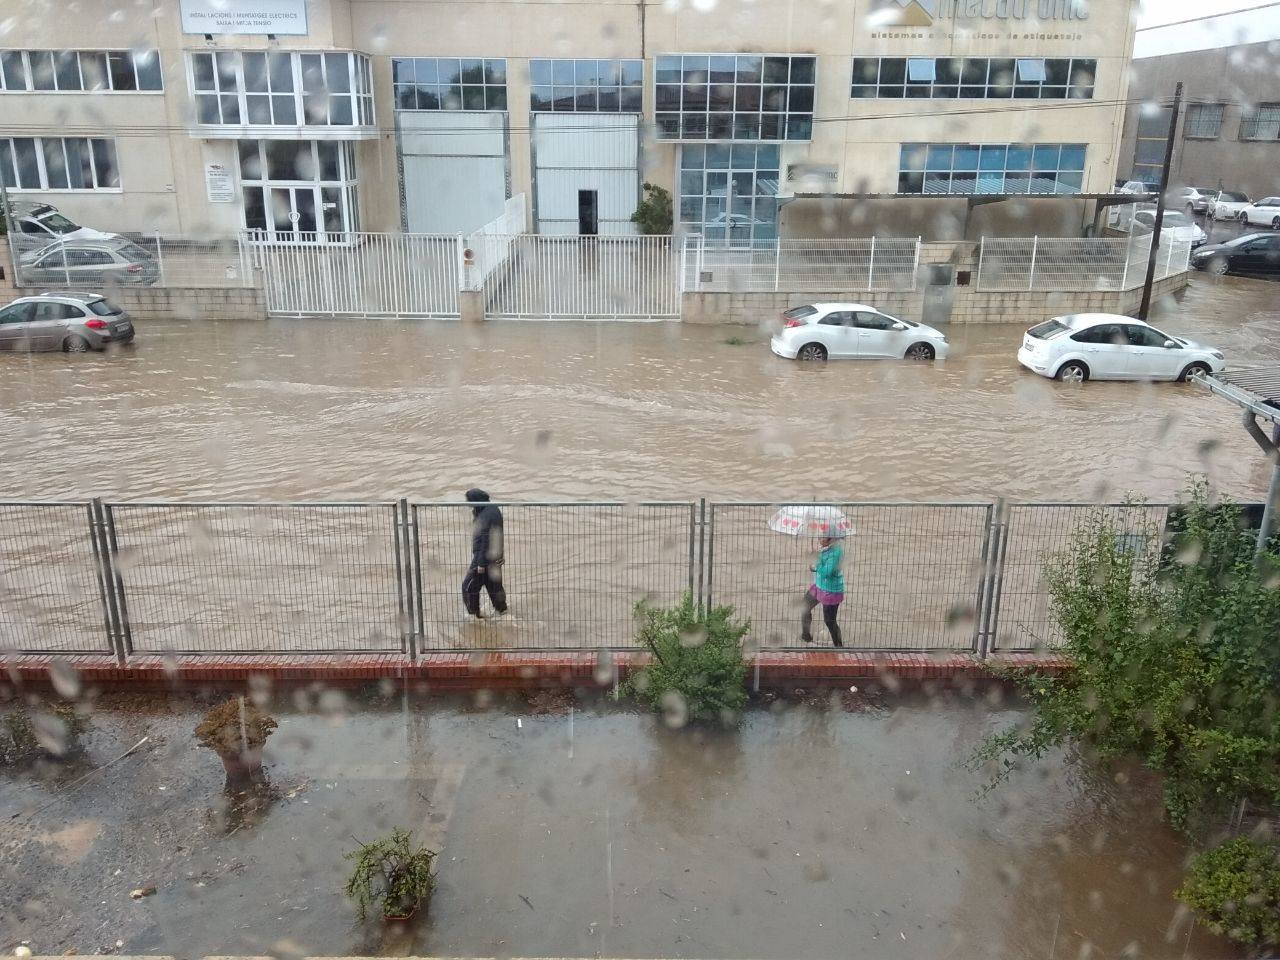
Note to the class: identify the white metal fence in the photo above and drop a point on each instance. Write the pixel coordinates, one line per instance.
(490, 246)
(598, 278)
(370, 275)
(799, 265)
(130, 260)
(1089, 264)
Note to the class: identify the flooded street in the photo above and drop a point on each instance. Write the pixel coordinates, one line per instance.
(359, 409)
(811, 832)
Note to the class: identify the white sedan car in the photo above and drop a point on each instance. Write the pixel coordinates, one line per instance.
(1175, 226)
(854, 331)
(1262, 213)
(1105, 346)
(1227, 205)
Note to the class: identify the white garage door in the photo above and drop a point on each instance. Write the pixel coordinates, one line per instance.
(455, 169)
(586, 172)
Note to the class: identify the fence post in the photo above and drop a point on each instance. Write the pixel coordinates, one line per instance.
(108, 550)
(102, 573)
(1128, 254)
(701, 250)
(915, 266)
(710, 528)
(404, 575)
(702, 549)
(777, 262)
(1031, 276)
(164, 281)
(1000, 545)
(460, 244)
(871, 266)
(981, 645)
(684, 263)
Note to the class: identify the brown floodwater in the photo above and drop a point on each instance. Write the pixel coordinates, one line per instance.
(851, 831)
(360, 409)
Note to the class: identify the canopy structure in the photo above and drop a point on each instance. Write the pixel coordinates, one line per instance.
(1257, 392)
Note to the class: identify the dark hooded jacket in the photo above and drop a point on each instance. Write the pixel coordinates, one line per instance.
(486, 530)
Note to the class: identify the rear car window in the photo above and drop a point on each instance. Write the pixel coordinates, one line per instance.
(799, 313)
(1050, 328)
(104, 308)
(1231, 197)
(132, 251)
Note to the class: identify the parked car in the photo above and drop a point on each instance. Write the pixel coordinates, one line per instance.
(1176, 226)
(1227, 205)
(1192, 200)
(73, 322)
(1106, 346)
(90, 263)
(43, 223)
(841, 331)
(1262, 213)
(1251, 253)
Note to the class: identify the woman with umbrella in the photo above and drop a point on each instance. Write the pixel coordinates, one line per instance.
(829, 525)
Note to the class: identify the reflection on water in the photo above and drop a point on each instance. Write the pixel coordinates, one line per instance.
(310, 409)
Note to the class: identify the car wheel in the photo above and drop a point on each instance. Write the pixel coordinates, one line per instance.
(1243, 218)
(1073, 371)
(920, 351)
(812, 351)
(1194, 368)
(1191, 212)
(1275, 223)
(1219, 266)
(74, 344)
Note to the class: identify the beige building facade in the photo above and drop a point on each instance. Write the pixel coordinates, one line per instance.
(308, 120)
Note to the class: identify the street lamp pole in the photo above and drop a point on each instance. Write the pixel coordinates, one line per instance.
(1145, 308)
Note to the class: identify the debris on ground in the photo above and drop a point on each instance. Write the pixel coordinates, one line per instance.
(141, 892)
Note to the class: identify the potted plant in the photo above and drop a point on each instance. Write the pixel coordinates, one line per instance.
(236, 730)
(392, 874)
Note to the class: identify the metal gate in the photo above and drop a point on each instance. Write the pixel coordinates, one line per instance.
(591, 278)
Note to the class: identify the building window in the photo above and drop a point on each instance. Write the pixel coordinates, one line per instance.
(59, 163)
(1261, 123)
(301, 191)
(734, 97)
(275, 88)
(586, 86)
(1004, 168)
(729, 192)
(1204, 121)
(449, 83)
(973, 78)
(1149, 145)
(80, 71)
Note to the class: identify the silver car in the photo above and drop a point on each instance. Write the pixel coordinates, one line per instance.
(73, 322)
(90, 262)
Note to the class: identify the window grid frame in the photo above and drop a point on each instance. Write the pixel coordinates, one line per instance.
(28, 72)
(498, 99)
(932, 169)
(1254, 120)
(684, 132)
(7, 144)
(949, 90)
(359, 95)
(730, 168)
(1195, 124)
(579, 89)
(347, 185)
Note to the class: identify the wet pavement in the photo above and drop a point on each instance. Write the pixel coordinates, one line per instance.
(846, 830)
(314, 409)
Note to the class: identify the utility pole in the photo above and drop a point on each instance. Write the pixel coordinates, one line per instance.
(1164, 187)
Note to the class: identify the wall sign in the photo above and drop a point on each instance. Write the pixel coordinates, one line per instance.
(281, 17)
(218, 185)
(928, 13)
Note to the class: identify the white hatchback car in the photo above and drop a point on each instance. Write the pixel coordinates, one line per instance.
(1227, 205)
(1105, 346)
(854, 331)
(1262, 213)
(1174, 226)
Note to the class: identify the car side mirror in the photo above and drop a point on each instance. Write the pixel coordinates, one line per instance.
(1171, 345)
(899, 325)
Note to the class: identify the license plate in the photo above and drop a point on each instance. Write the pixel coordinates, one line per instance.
(1028, 343)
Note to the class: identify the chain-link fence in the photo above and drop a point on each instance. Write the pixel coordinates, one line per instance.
(798, 266)
(312, 578)
(129, 261)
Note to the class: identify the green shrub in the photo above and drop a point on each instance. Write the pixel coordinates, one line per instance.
(1174, 662)
(653, 213)
(698, 670)
(1235, 888)
(391, 874)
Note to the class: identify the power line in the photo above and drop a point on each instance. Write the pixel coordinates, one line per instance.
(1209, 16)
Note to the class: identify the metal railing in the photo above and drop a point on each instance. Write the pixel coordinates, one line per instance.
(1076, 265)
(130, 261)
(159, 578)
(798, 266)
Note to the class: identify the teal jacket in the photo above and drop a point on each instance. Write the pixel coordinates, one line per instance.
(827, 575)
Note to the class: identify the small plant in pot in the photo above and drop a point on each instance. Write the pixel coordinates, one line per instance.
(236, 730)
(391, 875)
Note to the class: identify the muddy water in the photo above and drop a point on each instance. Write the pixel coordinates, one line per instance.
(364, 409)
(808, 833)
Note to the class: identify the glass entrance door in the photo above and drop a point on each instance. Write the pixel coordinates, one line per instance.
(293, 213)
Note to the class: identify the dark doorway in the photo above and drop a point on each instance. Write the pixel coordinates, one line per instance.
(588, 221)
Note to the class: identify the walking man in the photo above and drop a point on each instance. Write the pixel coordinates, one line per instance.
(485, 569)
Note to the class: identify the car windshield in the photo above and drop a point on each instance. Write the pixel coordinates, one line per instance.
(1174, 220)
(799, 313)
(1233, 197)
(57, 223)
(1050, 328)
(104, 308)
